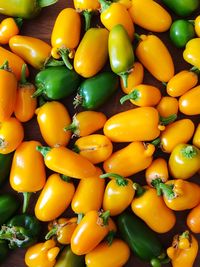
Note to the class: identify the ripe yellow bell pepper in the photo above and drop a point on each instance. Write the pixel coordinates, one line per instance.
(191, 54)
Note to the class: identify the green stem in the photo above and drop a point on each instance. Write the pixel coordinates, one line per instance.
(139, 189)
(78, 100)
(5, 65)
(124, 77)
(23, 74)
(155, 183)
(51, 62)
(134, 95)
(51, 233)
(45, 3)
(164, 189)
(64, 53)
(87, 16)
(155, 263)
(164, 83)
(110, 237)
(41, 101)
(120, 180)
(19, 22)
(80, 217)
(38, 92)
(168, 120)
(195, 70)
(189, 152)
(104, 5)
(185, 234)
(191, 21)
(72, 127)
(105, 216)
(44, 150)
(65, 178)
(27, 196)
(76, 149)
(137, 37)
(156, 141)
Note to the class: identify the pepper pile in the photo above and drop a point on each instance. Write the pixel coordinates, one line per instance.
(110, 215)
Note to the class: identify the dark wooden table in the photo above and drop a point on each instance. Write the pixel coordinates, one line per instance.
(41, 27)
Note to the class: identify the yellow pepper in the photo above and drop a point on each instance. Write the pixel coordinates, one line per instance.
(196, 137)
(167, 106)
(42, 254)
(183, 251)
(197, 25)
(191, 54)
(189, 102)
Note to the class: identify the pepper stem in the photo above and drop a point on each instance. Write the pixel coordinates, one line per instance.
(5, 65)
(23, 74)
(19, 22)
(195, 70)
(51, 62)
(44, 150)
(168, 120)
(76, 149)
(164, 189)
(77, 101)
(87, 16)
(80, 217)
(51, 233)
(27, 196)
(155, 263)
(120, 180)
(189, 152)
(72, 127)
(105, 216)
(104, 5)
(137, 37)
(156, 141)
(134, 95)
(45, 3)
(64, 53)
(65, 178)
(185, 234)
(124, 77)
(38, 92)
(110, 237)
(139, 189)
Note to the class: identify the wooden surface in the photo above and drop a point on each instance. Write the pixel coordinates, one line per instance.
(41, 27)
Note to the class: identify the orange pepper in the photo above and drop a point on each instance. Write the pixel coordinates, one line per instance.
(95, 147)
(66, 38)
(151, 208)
(86, 122)
(58, 189)
(55, 159)
(196, 137)
(155, 57)
(25, 176)
(11, 135)
(126, 3)
(33, 50)
(189, 102)
(193, 219)
(150, 16)
(92, 52)
(180, 83)
(25, 104)
(167, 106)
(89, 194)
(116, 13)
(91, 230)
(52, 118)
(15, 62)
(8, 92)
(8, 28)
(131, 159)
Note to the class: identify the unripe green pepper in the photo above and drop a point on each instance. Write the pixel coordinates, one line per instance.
(95, 91)
(5, 165)
(120, 52)
(8, 206)
(26, 9)
(55, 83)
(182, 8)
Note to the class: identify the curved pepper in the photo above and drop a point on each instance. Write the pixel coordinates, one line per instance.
(182, 8)
(55, 159)
(121, 53)
(8, 28)
(191, 53)
(5, 166)
(155, 57)
(21, 231)
(9, 204)
(183, 251)
(63, 39)
(42, 254)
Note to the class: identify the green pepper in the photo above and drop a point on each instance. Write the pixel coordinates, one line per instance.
(8, 206)
(5, 165)
(56, 83)
(182, 8)
(68, 259)
(26, 9)
(95, 91)
(21, 231)
(141, 239)
(3, 250)
(120, 52)
(181, 31)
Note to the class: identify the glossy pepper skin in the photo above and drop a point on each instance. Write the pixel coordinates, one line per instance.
(25, 104)
(121, 53)
(63, 39)
(196, 137)
(171, 136)
(197, 25)
(42, 254)
(150, 16)
(159, 217)
(8, 28)
(92, 52)
(108, 255)
(90, 232)
(5, 166)
(58, 189)
(95, 91)
(26, 9)
(141, 239)
(33, 50)
(155, 57)
(167, 106)
(9, 204)
(119, 193)
(131, 159)
(21, 231)
(7, 93)
(182, 8)
(89, 194)
(15, 62)
(189, 102)
(55, 159)
(193, 219)
(116, 13)
(191, 52)
(4, 250)
(52, 118)
(68, 259)
(183, 250)
(184, 161)
(56, 82)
